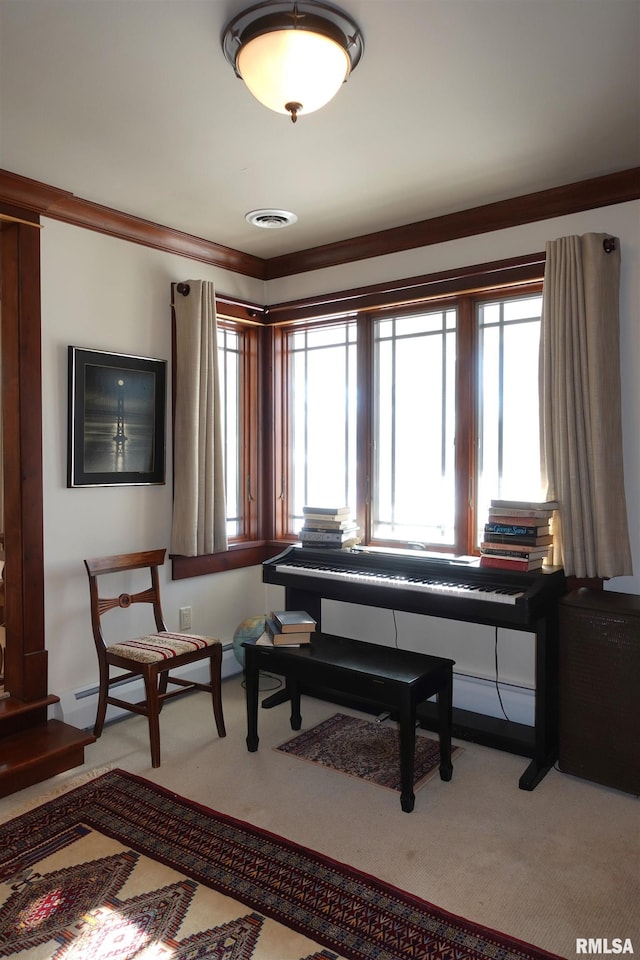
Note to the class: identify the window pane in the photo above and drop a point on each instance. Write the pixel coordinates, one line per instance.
(508, 410)
(323, 418)
(414, 428)
(229, 369)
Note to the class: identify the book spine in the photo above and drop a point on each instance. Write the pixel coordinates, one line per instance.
(514, 530)
(271, 628)
(502, 563)
(521, 514)
(523, 541)
(292, 626)
(501, 546)
(326, 536)
(280, 638)
(513, 521)
(325, 511)
(330, 526)
(511, 505)
(513, 554)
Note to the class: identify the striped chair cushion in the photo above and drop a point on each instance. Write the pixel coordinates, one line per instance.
(160, 646)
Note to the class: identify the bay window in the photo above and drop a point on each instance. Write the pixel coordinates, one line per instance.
(414, 406)
(415, 417)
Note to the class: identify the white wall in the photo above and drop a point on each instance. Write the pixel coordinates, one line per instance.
(114, 295)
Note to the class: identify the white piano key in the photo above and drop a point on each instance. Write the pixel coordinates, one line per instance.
(441, 588)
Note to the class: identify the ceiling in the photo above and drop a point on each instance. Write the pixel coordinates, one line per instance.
(456, 103)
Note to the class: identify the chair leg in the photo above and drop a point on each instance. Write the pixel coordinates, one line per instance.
(162, 687)
(103, 693)
(215, 665)
(153, 713)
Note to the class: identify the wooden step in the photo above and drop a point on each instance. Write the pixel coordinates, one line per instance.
(39, 752)
(16, 715)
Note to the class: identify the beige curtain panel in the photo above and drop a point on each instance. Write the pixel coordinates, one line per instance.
(199, 510)
(580, 396)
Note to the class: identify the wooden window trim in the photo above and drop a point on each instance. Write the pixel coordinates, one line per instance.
(476, 285)
(267, 409)
(249, 548)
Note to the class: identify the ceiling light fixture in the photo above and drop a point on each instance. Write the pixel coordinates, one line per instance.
(293, 56)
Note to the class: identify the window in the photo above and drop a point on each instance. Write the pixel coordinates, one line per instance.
(323, 397)
(414, 427)
(229, 367)
(509, 426)
(414, 417)
(239, 362)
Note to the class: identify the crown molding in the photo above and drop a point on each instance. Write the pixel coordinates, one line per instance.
(63, 205)
(559, 201)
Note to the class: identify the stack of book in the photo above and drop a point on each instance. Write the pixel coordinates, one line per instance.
(328, 527)
(517, 535)
(287, 628)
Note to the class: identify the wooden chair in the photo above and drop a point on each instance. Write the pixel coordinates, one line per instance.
(150, 657)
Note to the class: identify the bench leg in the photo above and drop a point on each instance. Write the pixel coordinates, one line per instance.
(252, 674)
(444, 700)
(407, 753)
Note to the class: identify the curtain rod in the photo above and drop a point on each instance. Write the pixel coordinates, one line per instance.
(27, 223)
(252, 309)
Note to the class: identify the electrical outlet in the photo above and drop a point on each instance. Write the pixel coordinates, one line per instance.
(185, 618)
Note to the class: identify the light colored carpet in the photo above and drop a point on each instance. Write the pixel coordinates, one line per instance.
(177, 880)
(547, 866)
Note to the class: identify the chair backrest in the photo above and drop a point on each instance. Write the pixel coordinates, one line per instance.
(150, 559)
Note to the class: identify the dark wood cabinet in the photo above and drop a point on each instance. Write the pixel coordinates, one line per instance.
(599, 687)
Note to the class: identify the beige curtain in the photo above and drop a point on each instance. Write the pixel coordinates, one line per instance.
(581, 406)
(199, 511)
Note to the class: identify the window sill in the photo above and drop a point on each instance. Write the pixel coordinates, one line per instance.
(237, 556)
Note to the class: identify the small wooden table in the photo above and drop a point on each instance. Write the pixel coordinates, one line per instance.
(396, 680)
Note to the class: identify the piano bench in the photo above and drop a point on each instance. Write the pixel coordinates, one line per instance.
(396, 680)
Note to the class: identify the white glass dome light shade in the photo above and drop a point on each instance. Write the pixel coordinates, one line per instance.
(293, 67)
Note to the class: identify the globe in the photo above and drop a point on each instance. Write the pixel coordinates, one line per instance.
(247, 632)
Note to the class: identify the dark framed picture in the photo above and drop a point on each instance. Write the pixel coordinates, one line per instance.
(116, 419)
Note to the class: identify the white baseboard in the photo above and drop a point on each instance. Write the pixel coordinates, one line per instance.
(481, 696)
(78, 707)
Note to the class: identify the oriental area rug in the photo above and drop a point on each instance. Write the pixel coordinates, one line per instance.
(119, 868)
(365, 749)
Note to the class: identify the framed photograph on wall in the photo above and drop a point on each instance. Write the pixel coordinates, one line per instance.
(116, 431)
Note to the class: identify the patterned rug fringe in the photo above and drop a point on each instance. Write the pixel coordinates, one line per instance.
(64, 787)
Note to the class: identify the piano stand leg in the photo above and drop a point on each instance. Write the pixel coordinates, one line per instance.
(446, 771)
(535, 772)
(293, 691)
(275, 699)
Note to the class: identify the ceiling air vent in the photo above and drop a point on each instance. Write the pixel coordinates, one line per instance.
(271, 219)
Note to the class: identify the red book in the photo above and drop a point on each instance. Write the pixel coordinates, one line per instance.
(513, 521)
(507, 563)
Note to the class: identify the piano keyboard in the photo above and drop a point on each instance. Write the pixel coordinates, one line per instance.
(475, 591)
